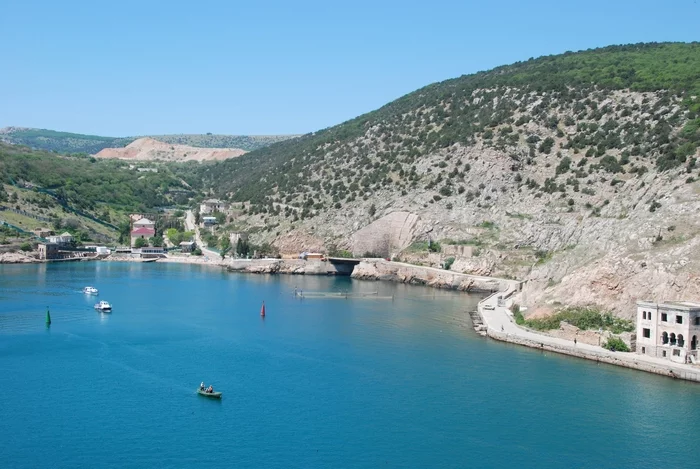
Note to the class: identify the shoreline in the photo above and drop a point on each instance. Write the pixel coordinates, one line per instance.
(498, 324)
(495, 323)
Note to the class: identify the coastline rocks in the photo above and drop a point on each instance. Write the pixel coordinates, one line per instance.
(417, 275)
(16, 258)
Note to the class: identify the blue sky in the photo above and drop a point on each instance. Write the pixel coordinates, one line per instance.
(145, 67)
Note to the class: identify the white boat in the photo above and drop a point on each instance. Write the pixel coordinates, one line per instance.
(103, 306)
(90, 291)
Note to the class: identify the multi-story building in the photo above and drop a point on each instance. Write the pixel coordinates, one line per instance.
(669, 330)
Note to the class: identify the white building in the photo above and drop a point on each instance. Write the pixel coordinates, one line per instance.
(62, 239)
(211, 206)
(669, 330)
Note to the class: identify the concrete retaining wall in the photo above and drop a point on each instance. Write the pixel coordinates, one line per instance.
(626, 359)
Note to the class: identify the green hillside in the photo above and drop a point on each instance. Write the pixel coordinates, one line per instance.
(69, 143)
(90, 184)
(572, 95)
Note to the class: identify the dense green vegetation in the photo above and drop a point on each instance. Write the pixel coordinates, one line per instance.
(573, 92)
(68, 143)
(88, 184)
(616, 345)
(583, 318)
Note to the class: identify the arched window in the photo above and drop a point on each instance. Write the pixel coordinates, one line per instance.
(694, 343)
(673, 338)
(664, 337)
(681, 341)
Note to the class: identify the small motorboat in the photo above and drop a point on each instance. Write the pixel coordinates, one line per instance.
(90, 291)
(213, 394)
(104, 307)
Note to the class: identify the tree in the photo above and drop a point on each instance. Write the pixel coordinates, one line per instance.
(124, 231)
(156, 241)
(196, 217)
(141, 242)
(242, 247)
(174, 236)
(220, 218)
(372, 210)
(225, 244)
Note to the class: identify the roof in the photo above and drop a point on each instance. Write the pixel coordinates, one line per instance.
(143, 231)
(213, 201)
(144, 221)
(67, 234)
(678, 305)
(208, 218)
(187, 243)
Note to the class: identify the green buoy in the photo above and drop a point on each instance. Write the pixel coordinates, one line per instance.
(48, 317)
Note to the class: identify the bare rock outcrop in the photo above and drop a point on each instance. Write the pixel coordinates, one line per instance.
(15, 258)
(387, 235)
(417, 275)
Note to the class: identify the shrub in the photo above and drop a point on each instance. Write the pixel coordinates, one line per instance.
(26, 247)
(519, 319)
(583, 317)
(616, 345)
(448, 262)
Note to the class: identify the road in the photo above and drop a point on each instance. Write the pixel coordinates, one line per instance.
(190, 225)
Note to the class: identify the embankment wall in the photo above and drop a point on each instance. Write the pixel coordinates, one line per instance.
(626, 359)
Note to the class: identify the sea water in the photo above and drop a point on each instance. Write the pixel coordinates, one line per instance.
(391, 376)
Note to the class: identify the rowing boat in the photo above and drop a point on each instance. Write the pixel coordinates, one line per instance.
(214, 395)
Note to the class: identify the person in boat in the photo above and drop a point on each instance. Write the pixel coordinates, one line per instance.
(201, 386)
(210, 389)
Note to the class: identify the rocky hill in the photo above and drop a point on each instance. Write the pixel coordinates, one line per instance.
(150, 149)
(576, 173)
(66, 142)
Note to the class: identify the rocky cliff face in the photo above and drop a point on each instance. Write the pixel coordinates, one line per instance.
(586, 192)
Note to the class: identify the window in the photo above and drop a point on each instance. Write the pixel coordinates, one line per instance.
(664, 337)
(663, 353)
(679, 319)
(664, 317)
(644, 350)
(697, 321)
(676, 353)
(681, 340)
(644, 314)
(672, 339)
(646, 333)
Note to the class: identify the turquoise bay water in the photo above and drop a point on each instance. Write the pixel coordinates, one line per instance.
(321, 382)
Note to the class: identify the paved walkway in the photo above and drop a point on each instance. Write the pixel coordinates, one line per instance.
(501, 326)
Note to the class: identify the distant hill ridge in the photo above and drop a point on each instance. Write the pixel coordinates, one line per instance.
(150, 149)
(67, 142)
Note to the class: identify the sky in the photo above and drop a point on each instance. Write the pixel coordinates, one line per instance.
(280, 67)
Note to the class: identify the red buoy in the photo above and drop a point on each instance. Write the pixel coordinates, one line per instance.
(262, 310)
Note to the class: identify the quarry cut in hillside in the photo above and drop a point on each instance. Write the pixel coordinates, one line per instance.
(151, 149)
